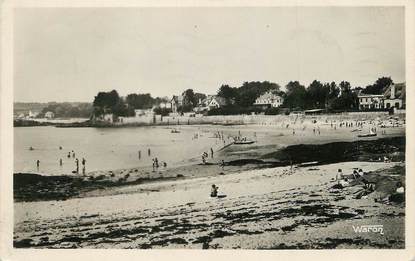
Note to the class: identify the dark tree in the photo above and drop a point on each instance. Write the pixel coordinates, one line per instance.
(140, 101)
(347, 100)
(189, 99)
(296, 96)
(199, 97)
(227, 92)
(106, 99)
(317, 95)
(379, 86)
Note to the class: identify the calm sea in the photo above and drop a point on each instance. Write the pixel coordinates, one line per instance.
(107, 148)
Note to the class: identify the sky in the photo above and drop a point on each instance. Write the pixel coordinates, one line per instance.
(70, 54)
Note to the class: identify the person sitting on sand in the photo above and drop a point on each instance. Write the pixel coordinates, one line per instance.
(355, 174)
(339, 175)
(400, 188)
(344, 182)
(214, 191)
(368, 188)
(361, 173)
(397, 197)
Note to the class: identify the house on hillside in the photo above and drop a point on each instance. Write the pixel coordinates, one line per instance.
(49, 115)
(269, 100)
(395, 96)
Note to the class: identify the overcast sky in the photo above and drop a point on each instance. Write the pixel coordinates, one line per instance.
(71, 54)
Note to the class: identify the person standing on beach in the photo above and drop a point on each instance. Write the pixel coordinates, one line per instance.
(149, 152)
(139, 154)
(60, 162)
(73, 154)
(211, 153)
(214, 191)
(203, 159)
(83, 162)
(37, 164)
(77, 165)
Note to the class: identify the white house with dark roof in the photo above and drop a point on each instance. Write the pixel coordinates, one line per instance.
(49, 115)
(269, 99)
(216, 102)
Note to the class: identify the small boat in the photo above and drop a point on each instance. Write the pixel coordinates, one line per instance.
(367, 135)
(243, 142)
(175, 131)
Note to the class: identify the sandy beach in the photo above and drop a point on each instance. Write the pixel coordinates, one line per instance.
(269, 208)
(268, 197)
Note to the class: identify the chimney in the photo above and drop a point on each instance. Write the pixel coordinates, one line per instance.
(393, 91)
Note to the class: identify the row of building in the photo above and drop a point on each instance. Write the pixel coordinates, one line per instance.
(266, 100)
(33, 115)
(393, 97)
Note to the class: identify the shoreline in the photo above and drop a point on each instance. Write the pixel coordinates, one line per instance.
(219, 120)
(34, 187)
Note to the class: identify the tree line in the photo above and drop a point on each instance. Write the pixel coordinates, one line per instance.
(331, 96)
(68, 110)
(317, 95)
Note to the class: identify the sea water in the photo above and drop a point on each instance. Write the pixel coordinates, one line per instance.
(107, 148)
